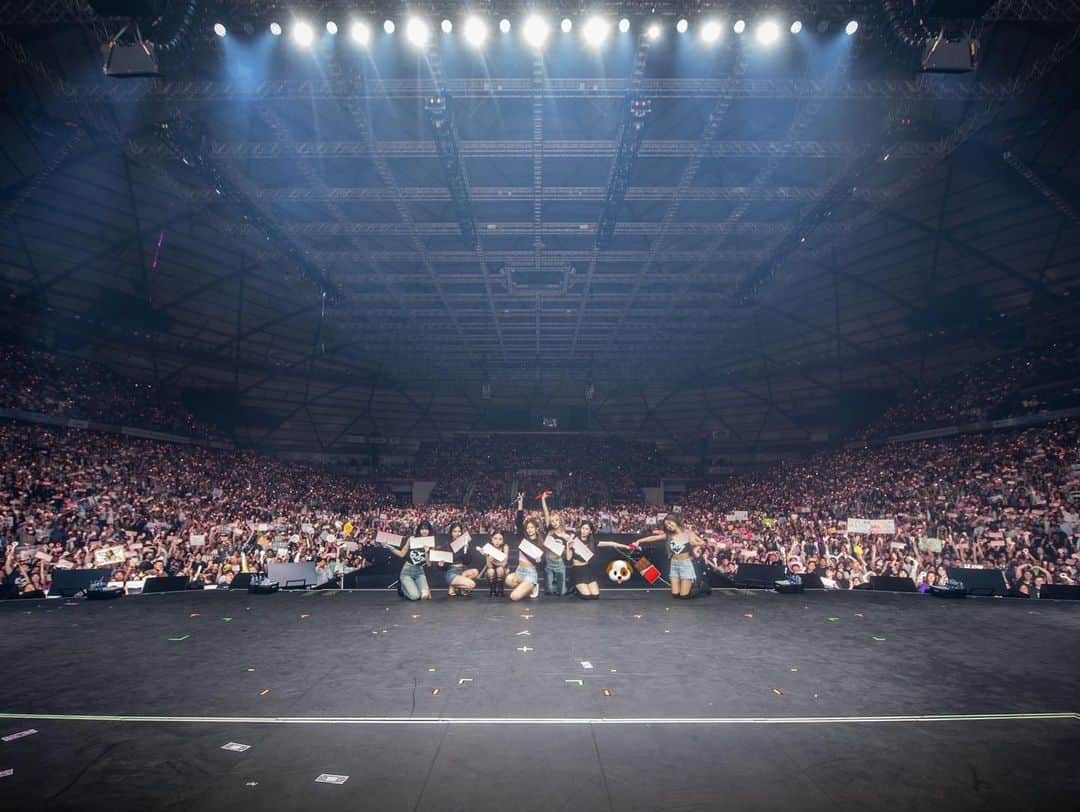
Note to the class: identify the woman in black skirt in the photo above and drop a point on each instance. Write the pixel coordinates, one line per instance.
(582, 572)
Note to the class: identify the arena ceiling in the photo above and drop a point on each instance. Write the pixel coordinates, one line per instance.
(732, 241)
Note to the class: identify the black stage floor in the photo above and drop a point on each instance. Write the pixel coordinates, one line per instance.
(746, 700)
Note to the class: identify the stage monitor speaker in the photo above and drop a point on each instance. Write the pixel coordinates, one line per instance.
(980, 582)
(811, 580)
(168, 583)
(1060, 592)
(262, 586)
(948, 592)
(759, 576)
(888, 583)
(242, 580)
(68, 583)
(105, 593)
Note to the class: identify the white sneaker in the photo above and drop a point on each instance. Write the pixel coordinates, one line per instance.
(536, 591)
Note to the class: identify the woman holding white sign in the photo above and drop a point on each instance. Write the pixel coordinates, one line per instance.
(460, 574)
(555, 556)
(680, 544)
(414, 585)
(495, 558)
(524, 582)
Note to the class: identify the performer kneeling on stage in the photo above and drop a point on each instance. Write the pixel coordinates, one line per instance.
(524, 582)
(414, 585)
(680, 543)
(460, 574)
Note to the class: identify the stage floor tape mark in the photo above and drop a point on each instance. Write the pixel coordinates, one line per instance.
(480, 720)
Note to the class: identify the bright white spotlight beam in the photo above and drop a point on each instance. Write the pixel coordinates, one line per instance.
(536, 31)
(710, 32)
(596, 31)
(220, 30)
(851, 27)
(476, 32)
(654, 31)
(417, 32)
(740, 26)
(275, 29)
(303, 34)
(360, 33)
(767, 32)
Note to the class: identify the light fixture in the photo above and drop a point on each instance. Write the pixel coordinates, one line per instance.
(504, 25)
(624, 25)
(710, 32)
(796, 27)
(596, 30)
(566, 25)
(475, 31)
(535, 31)
(389, 27)
(767, 32)
(417, 32)
(331, 27)
(302, 34)
(275, 29)
(851, 27)
(219, 29)
(682, 25)
(653, 31)
(360, 33)
(740, 26)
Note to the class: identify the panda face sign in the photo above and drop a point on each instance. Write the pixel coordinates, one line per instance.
(619, 571)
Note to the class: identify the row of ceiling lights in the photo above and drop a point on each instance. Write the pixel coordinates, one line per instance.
(535, 30)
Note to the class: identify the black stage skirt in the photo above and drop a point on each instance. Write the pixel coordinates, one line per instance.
(582, 575)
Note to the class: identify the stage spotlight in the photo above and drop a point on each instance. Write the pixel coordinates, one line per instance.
(682, 25)
(302, 34)
(504, 25)
(535, 31)
(596, 30)
(624, 25)
(389, 27)
(219, 29)
(275, 29)
(475, 32)
(767, 32)
(447, 26)
(417, 32)
(566, 25)
(796, 27)
(740, 26)
(360, 33)
(654, 31)
(851, 28)
(710, 32)
(331, 27)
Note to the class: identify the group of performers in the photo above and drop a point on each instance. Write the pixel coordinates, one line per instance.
(571, 567)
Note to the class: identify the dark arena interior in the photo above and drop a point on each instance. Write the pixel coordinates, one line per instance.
(540, 405)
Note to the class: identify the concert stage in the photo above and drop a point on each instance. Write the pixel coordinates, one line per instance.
(742, 700)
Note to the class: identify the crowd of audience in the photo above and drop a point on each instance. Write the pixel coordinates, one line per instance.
(60, 386)
(987, 391)
(75, 499)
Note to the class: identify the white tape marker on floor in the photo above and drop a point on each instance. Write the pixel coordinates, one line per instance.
(496, 720)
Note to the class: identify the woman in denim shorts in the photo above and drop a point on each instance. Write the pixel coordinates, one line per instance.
(414, 585)
(680, 544)
(524, 582)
